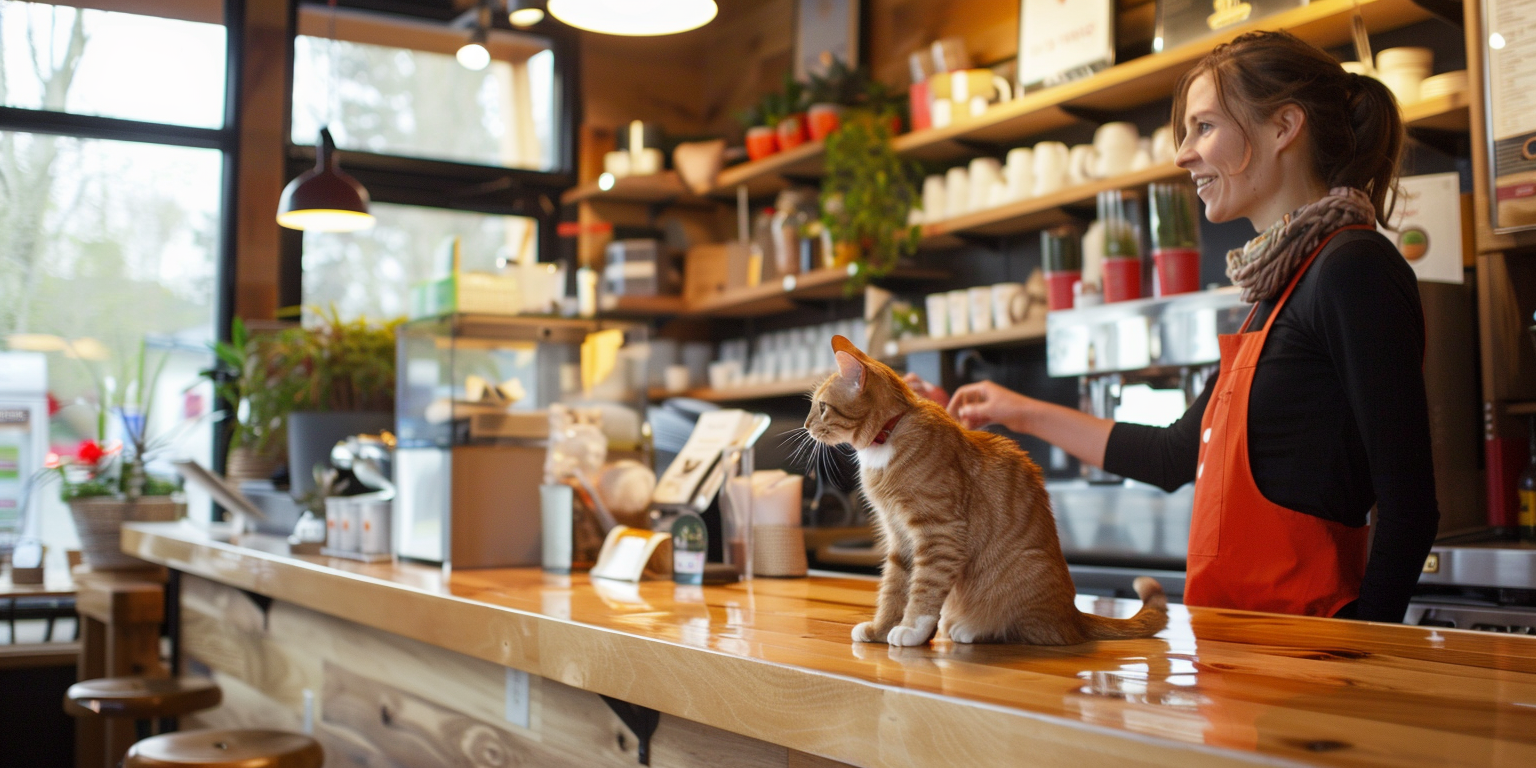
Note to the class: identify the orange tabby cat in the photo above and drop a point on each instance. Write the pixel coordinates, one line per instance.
(965, 519)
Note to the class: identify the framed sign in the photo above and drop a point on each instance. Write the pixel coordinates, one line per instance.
(1183, 21)
(1509, 86)
(1062, 40)
(825, 30)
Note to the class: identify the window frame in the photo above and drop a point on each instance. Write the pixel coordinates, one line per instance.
(443, 184)
(225, 139)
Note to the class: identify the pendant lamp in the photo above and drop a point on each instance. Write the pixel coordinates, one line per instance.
(323, 198)
(634, 17)
(525, 13)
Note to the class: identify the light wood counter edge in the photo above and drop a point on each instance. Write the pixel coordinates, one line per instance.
(838, 717)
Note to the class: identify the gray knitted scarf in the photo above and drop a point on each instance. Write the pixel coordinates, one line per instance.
(1264, 266)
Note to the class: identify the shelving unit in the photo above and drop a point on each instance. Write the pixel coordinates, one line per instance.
(786, 388)
(1031, 331)
(773, 173)
(781, 295)
(665, 188)
(1140, 81)
(1520, 409)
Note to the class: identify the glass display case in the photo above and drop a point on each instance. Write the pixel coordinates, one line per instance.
(472, 423)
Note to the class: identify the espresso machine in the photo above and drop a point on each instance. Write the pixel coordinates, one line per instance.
(1142, 361)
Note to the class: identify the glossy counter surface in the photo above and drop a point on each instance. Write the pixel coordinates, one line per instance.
(772, 660)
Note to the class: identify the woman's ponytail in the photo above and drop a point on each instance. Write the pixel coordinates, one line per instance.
(1376, 127)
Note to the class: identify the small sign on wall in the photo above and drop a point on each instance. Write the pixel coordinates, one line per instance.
(1427, 226)
(1063, 40)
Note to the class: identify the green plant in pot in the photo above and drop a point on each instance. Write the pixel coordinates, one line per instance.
(867, 195)
(106, 483)
(338, 377)
(243, 376)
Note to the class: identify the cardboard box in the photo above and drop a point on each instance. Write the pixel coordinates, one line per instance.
(706, 271)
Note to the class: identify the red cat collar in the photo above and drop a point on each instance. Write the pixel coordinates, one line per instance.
(885, 431)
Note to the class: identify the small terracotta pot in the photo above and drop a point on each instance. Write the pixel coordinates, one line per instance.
(824, 119)
(792, 131)
(762, 141)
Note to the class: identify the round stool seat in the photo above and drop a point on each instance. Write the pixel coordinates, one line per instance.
(226, 749)
(142, 698)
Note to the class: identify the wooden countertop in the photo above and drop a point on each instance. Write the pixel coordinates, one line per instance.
(772, 659)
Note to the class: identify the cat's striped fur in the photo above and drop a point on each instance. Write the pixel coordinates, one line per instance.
(965, 518)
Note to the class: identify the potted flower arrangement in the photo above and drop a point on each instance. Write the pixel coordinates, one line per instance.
(841, 88)
(107, 484)
(777, 122)
(338, 380)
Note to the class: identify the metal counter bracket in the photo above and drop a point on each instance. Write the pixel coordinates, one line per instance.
(642, 721)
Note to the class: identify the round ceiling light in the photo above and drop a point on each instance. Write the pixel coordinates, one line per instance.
(634, 17)
(324, 198)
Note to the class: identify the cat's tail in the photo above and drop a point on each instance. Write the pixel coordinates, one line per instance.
(1148, 621)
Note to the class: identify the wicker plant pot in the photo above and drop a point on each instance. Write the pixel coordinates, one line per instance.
(99, 522)
(244, 464)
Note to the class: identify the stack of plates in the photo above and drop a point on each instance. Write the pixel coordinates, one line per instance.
(1440, 85)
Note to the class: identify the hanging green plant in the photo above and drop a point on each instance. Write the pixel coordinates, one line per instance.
(867, 194)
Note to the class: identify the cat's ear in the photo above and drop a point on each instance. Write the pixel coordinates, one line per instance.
(850, 368)
(842, 344)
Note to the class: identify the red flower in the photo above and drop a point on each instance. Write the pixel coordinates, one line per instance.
(89, 452)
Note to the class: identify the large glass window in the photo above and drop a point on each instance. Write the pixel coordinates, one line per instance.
(110, 250)
(395, 88)
(370, 273)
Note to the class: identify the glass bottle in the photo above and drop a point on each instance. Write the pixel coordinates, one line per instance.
(1526, 488)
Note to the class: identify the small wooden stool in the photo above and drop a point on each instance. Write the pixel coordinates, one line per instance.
(142, 698)
(226, 749)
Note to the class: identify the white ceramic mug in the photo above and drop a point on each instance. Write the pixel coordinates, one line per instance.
(1050, 167)
(933, 199)
(1009, 304)
(1114, 146)
(983, 173)
(997, 194)
(350, 523)
(646, 162)
(1142, 160)
(1164, 147)
(373, 524)
(937, 305)
(617, 163)
(1019, 173)
(957, 192)
(979, 300)
(1081, 162)
(959, 302)
(677, 378)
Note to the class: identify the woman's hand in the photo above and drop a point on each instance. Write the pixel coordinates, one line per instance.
(983, 403)
(925, 390)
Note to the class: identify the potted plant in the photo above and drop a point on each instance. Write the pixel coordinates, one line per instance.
(841, 88)
(339, 380)
(792, 128)
(867, 194)
(761, 122)
(243, 376)
(107, 484)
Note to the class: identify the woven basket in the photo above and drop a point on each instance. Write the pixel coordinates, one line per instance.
(244, 464)
(99, 522)
(778, 550)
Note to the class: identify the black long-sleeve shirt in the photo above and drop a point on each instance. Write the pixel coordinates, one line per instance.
(1338, 419)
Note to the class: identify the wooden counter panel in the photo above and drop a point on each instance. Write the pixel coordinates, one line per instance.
(772, 661)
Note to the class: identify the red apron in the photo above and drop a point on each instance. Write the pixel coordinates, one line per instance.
(1246, 551)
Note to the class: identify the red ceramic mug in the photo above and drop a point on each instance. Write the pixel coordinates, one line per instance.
(824, 119)
(1122, 279)
(1178, 270)
(792, 132)
(1058, 288)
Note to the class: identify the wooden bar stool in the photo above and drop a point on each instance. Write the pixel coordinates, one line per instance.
(142, 698)
(226, 749)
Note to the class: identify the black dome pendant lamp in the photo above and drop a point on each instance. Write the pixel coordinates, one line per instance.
(324, 198)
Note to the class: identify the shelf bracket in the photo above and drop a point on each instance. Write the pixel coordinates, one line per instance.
(642, 721)
(1453, 143)
(1448, 11)
(1096, 116)
(992, 243)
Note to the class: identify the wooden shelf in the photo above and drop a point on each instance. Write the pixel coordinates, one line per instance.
(1520, 409)
(1031, 331)
(771, 174)
(643, 306)
(1037, 212)
(1142, 80)
(1441, 113)
(786, 388)
(778, 296)
(665, 188)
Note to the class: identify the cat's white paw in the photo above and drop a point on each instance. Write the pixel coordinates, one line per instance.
(865, 633)
(917, 634)
(962, 633)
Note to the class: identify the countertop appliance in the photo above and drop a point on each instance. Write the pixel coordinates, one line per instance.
(1487, 585)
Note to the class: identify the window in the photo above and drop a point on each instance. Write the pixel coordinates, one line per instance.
(444, 151)
(111, 232)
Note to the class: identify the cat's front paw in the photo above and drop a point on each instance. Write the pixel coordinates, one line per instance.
(920, 632)
(866, 633)
(962, 633)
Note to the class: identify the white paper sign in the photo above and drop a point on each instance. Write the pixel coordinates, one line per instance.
(1061, 40)
(1427, 221)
